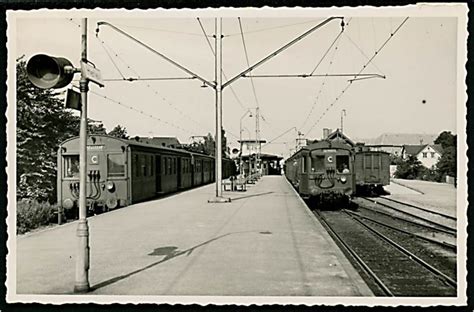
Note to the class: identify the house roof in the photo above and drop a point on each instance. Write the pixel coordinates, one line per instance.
(161, 141)
(413, 149)
(401, 139)
(416, 149)
(338, 135)
(438, 148)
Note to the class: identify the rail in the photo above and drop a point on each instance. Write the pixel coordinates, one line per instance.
(411, 255)
(411, 214)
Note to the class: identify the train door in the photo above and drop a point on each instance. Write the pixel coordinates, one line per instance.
(202, 170)
(179, 173)
(158, 173)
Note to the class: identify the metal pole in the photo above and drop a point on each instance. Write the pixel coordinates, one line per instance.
(257, 139)
(240, 161)
(218, 88)
(82, 261)
(343, 113)
(219, 107)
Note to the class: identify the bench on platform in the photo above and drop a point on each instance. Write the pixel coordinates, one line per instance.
(234, 184)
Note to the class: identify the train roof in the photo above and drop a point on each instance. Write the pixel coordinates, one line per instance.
(132, 142)
(329, 144)
(323, 144)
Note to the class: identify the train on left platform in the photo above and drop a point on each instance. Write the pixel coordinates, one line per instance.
(122, 172)
(330, 172)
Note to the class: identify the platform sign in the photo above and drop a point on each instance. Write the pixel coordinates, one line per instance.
(92, 73)
(73, 99)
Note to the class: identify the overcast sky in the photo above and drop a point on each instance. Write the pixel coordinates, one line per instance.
(417, 96)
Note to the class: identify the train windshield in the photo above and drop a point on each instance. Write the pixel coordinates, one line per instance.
(342, 163)
(71, 166)
(317, 163)
(115, 165)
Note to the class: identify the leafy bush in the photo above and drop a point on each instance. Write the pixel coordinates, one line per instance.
(31, 214)
(410, 168)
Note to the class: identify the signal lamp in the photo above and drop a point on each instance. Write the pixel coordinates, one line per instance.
(47, 72)
(343, 179)
(68, 203)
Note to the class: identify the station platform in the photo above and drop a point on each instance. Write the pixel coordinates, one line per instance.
(439, 197)
(265, 242)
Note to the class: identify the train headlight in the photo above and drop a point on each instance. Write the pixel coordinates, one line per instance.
(343, 179)
(110, 186)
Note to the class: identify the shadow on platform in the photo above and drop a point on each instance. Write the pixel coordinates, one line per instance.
(169, 252)
(253, 195)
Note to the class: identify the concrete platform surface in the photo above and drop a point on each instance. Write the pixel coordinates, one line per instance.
(264, 243)
(439, 197)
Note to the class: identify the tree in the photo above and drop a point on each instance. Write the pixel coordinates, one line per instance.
(119, 132)
(446, 139)
(411, 168)
(224, 144)
(95, 127)
(208, 146)
(42, 123)
(447, 163)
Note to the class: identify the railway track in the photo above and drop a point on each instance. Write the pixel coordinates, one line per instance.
(412, 213)
(390, 268)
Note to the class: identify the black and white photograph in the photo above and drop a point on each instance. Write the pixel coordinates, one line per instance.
(238, 156)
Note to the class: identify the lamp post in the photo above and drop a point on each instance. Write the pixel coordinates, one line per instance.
(49, 72)
(241, 145)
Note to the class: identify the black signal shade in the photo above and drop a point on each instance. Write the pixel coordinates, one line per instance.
(48, 72)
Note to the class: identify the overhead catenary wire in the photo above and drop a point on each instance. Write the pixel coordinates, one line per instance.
(162, 30)
(247, 59)
(206, 36)
(321, 87)
(362, 52)
(71, 20)
(148, 85)
(327, 51)
(271, 28)
(140, 111)
(149, 48)
(276, 138)
(362, 69)
(102, 44)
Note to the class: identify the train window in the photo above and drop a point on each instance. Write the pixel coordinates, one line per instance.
(317, 163)
(71, 167)
(368, 161)
(115, 165)
(137, 166)
(303, 164)
(376, 160)
(342, 163)
(174, 166)
(150, 166)
(143, 160)
(170, 166)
